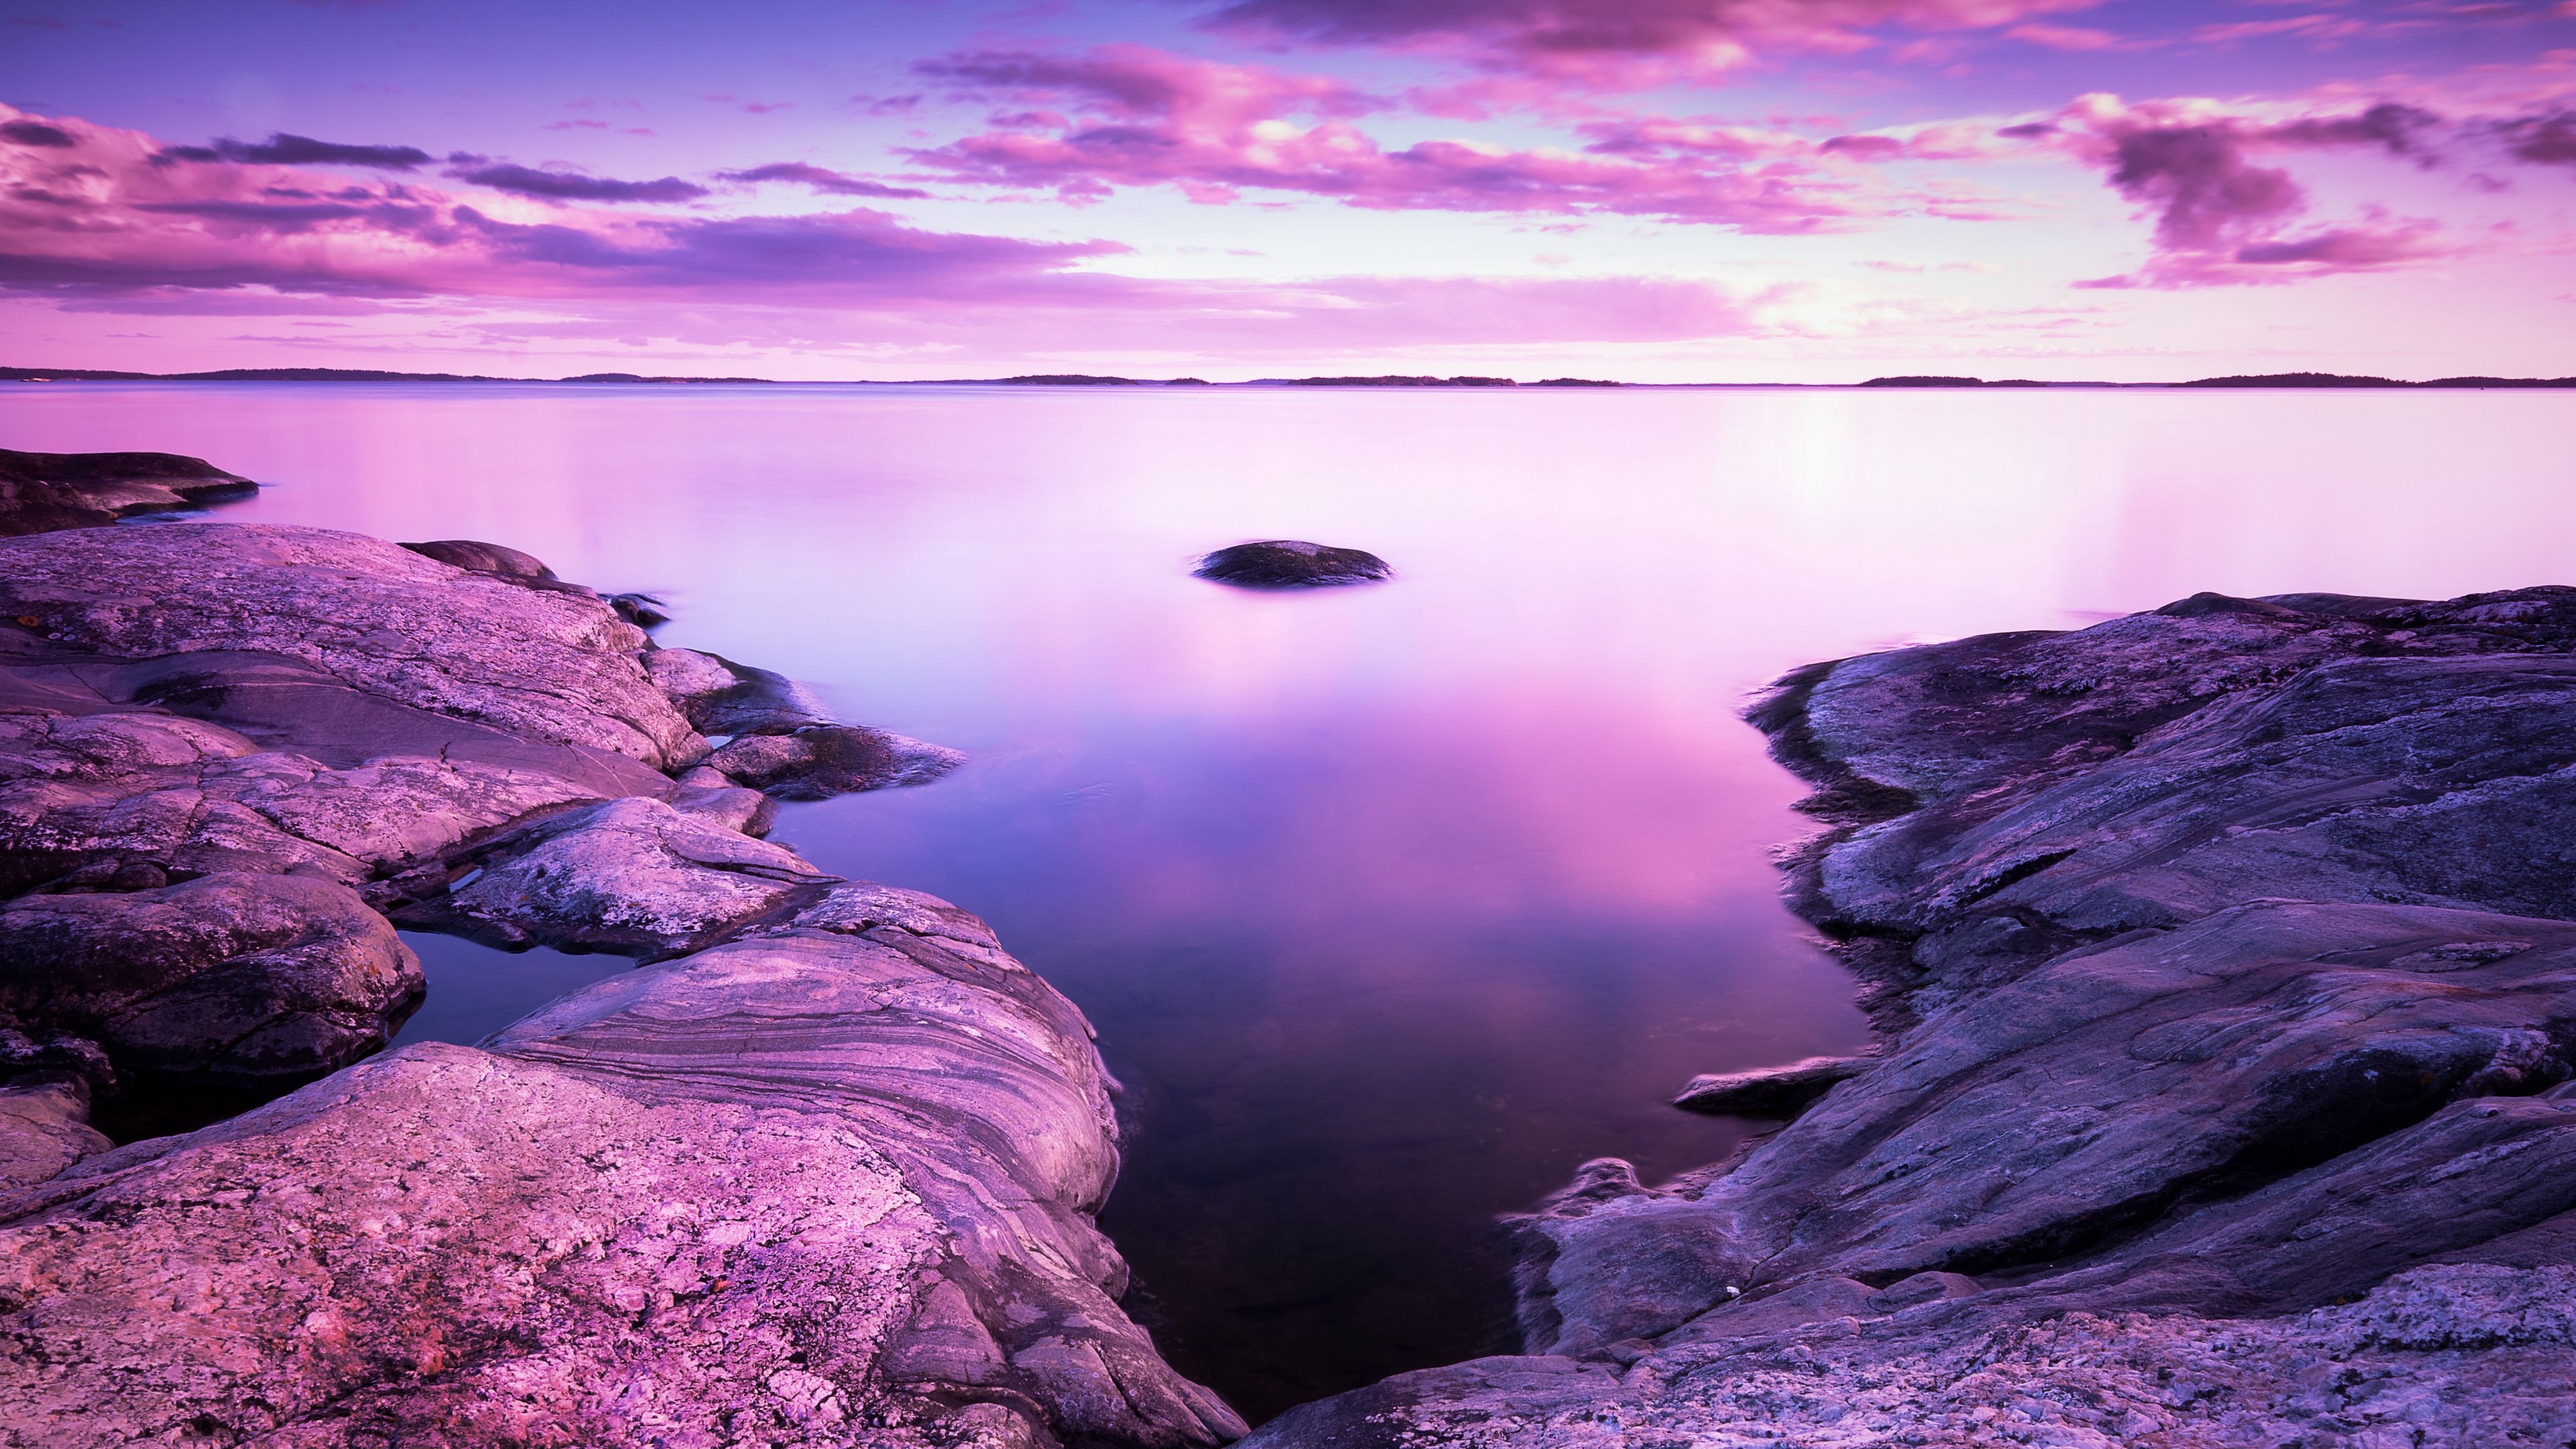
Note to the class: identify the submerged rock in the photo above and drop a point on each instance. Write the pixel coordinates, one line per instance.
(2225, 957)
(1282, 563)
(40, 492)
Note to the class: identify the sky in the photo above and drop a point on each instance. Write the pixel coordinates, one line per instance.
(1649, 190)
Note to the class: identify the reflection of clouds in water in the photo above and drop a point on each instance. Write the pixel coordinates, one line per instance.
(1391, 905)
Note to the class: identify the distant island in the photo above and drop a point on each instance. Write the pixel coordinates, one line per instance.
(1080, 379)
(2269, 379)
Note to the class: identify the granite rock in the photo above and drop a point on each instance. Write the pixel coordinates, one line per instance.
(631, 875)
(2224, 966)
(227, 982)
(546, 665)
(720, 697)
(44, 1126)
(821, 761)
(828, 1187)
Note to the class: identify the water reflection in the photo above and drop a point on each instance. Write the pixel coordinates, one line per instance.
(1392, 905)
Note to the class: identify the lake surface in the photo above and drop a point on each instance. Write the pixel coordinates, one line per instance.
(1392, 905)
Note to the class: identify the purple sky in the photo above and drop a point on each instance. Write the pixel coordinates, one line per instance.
(1659, 190)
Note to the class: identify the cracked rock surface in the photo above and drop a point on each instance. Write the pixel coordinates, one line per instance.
(824, 1174)
(2224, 967)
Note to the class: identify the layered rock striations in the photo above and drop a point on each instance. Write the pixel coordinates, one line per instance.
(2226, 980)
(823, 1172)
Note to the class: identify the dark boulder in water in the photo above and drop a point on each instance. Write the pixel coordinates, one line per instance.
(1287, 563)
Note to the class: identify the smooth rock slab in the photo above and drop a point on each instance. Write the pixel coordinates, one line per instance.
(548, 665)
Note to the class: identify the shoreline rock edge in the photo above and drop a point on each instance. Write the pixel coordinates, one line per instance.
(823, 1172)
(2224, 968)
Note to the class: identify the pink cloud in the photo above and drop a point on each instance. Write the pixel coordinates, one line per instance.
(2064, 37)
(1143, 117)
(97, 225)
(2221, 219)
(1620, 42)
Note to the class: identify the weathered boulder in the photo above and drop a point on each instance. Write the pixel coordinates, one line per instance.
(40, 492)
(1285, 563)
(229, 982)
(821, 761)
(720, 697)
(828, 1187)
(630, 875)
(2225, 963)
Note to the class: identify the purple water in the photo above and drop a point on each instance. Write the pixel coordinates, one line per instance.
(1392, 904)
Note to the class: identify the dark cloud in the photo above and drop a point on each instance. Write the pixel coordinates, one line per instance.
(1604, 39)
(571, 186)
(35, 133)
(2198, 180)
(2542, 140)
(284, 149)
(821, 179)
(2400, 129)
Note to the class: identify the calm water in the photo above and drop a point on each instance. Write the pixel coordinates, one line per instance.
(1394, 904)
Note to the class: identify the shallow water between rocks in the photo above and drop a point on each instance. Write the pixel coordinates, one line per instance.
(1392, 904)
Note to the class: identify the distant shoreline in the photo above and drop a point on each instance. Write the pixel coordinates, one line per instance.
(2299, 380)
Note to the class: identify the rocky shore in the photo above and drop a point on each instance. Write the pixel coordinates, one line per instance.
(2224, 965)
(821, 1171)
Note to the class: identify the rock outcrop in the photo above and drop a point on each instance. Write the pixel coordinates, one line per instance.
(41, 492)
(229, 982)
(824, 1174)
(2224, 963)
(1287, 563)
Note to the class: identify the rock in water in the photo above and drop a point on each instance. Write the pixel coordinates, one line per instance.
(2224, 957)
(1283, 563)
(40, 492)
